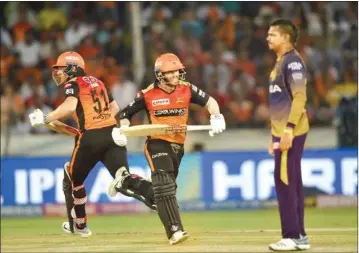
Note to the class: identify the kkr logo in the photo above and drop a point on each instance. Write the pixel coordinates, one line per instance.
(163, 101)
(170, 112)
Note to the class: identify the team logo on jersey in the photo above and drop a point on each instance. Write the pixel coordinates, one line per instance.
(179, 100)
(170, 112)
(273, 88)
(162, 101)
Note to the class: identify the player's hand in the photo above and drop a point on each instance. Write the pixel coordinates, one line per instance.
(119, 138)
(218, 124)
(37, 118)
(286, 140)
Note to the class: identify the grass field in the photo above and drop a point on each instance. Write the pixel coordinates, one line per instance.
(329, 230)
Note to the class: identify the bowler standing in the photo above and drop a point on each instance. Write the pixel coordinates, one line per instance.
(289, 127)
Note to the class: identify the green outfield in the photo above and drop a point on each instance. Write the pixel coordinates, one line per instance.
(329, 230)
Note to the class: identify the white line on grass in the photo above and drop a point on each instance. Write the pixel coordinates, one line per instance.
(278, 230)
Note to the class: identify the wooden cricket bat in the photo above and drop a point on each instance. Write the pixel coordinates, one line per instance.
(62, 128)
(159, 129)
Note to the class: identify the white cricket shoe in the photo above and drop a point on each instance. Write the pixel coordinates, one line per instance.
(85, 232)
(121, 174)
(178, 237)
(288, 244)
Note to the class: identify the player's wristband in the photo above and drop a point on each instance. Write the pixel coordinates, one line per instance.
(290, 125)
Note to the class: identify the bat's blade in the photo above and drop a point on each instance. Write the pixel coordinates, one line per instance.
(160, 129)
(62, 128)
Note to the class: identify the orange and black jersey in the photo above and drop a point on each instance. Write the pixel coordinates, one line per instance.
(166, 108)
(93, 107)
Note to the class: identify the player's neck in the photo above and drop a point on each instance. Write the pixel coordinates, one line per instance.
(283, 50)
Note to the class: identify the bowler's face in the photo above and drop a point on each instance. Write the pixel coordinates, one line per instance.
(274, 38)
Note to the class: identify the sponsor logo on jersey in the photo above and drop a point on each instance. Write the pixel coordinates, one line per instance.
(159, 155)
(297, 75)
(170, 112)
(102, 116)
(295, 66)
(162, 101)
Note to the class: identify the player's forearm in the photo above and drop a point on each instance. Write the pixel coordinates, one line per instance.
(64, 110)
(60, 112)
(212, 106)
(114, 108)
(297, 109)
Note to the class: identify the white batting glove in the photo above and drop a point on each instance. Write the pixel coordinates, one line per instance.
(119, 138)
(218, 124)
(37, 118)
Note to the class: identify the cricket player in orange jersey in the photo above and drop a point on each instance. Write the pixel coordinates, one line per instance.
(94, 109)
(167, 101)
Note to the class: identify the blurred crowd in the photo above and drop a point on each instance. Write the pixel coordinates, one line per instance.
(222, 44)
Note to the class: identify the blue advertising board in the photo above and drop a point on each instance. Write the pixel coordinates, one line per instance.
(248, 176)
(209, 177)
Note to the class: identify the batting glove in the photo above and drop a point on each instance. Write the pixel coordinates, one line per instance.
(218, 124)
(119, 138)
(37, 118)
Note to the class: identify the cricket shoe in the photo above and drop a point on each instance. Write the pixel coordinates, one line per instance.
(288, 244)
(178, 237)
(119, 185)
(84, 232)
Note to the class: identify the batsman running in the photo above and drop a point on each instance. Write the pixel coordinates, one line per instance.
(289, 121)
(166, 101)
(94, 108)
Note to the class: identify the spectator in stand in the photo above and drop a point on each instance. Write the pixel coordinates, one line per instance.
(12, 105)
(29, 56)
(17, 12)
(51, 16)
(216, 41)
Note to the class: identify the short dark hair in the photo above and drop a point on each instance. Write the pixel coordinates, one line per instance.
(287, 26)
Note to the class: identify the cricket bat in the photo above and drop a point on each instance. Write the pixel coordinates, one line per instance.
(159, 129)
(62, 128)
